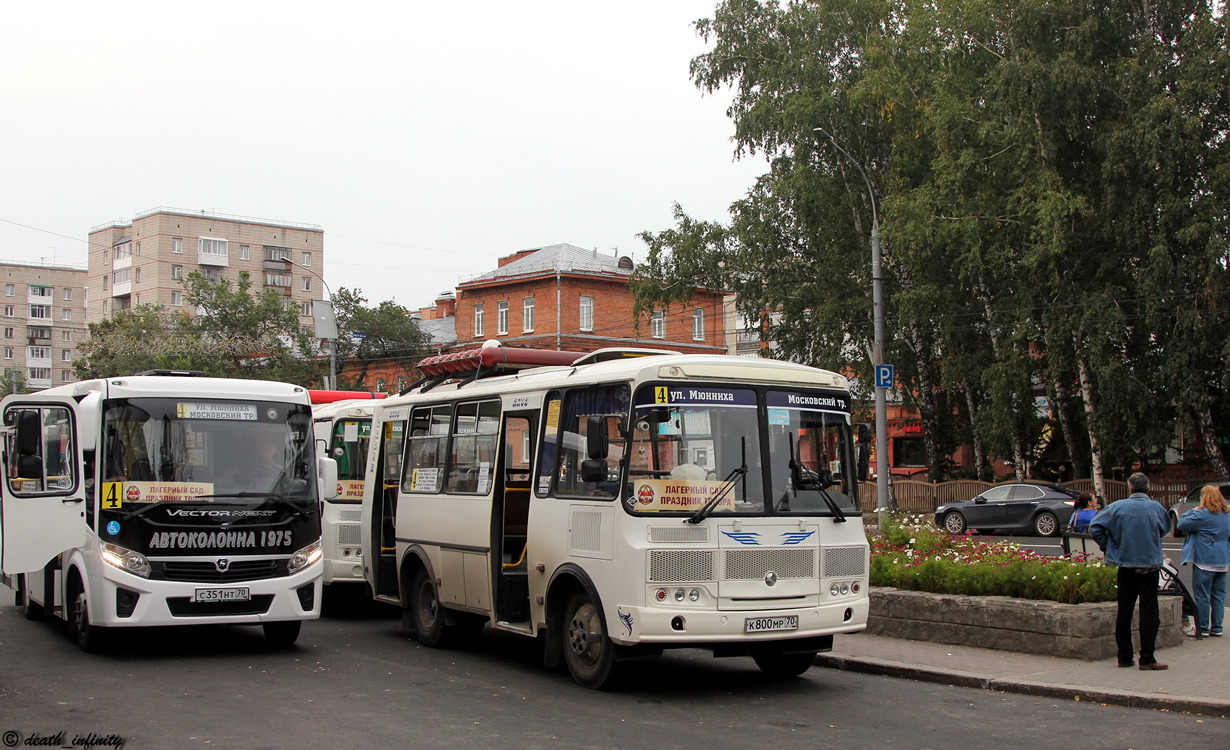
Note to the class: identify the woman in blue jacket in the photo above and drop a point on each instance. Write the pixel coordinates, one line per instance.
(1207, 547)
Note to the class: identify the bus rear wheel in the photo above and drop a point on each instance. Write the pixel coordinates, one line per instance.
(588, 652)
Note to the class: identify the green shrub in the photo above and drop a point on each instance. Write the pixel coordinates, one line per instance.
(912, 554)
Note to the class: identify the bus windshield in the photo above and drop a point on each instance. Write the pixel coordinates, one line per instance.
(158, 450)
(690, 444)
(809, 449)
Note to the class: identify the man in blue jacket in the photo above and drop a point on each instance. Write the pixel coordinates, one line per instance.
(1130, 533)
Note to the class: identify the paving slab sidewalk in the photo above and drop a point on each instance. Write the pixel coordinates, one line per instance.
(1197, 682)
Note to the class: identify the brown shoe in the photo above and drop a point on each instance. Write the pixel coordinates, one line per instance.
(1155, 665)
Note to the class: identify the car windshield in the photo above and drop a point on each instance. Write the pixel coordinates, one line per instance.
(158, 450)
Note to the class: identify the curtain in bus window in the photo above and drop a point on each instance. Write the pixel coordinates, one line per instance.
(609, 402)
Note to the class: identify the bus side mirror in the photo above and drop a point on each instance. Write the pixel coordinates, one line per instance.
(596, 439)
(326, 473)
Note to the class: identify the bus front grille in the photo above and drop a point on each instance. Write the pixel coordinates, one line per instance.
(206, 571)
(753, 564)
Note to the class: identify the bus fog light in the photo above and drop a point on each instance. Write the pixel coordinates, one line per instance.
(833, 590)
(125, 559)
(660, 595)
(694, 595)
(845, 588)
(304, 557)
(346, 552)
(678, 595)
(856, 587)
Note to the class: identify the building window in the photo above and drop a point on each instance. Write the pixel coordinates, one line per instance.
(243, 252)
(38, 332)
(38, 352)
(66, 376)
(177, 299)
(380, 385)
(105, 280)
(66, 355)
(10, 290)
(212, 274)
(104, 307)
(68, 293)
(211, 246)
(274, 278)
(106, 257)
(67, 315)
(307, 283)
(698, 324)
(277, 253)
(587, 313)
(177, 273)
(123, 275)
(401, 383)
(305, 309)
(136, 275)
(8, 352)
(66, 335)
(501, 318)
(657, 324)
(137, 250)
(8, 311)
(177, 246)
(527, 314)
(39, 373)
(123, 251)
(9, 331)
(478, 320)
(40, 311)
(40, 291)
(307, 258)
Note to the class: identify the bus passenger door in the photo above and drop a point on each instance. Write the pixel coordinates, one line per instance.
(510, 518)
(380, 531)
(43, 500)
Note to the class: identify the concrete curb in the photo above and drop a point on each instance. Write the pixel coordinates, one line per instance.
(1174, 703)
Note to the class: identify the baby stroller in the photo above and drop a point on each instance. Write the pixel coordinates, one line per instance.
(1169, 584)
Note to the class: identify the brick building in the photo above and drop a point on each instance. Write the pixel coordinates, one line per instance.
(567, 298)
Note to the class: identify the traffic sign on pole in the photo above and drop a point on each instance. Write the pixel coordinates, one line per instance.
(884, 376)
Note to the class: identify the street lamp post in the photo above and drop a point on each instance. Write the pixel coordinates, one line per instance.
(883, 500)
(330, 324)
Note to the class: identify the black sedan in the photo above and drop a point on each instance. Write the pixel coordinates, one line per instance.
(1027, 506)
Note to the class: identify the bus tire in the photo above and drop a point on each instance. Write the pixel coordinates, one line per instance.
(91, 638)
(32, 609)
(427, 617)
(283, 633)
(588, 652)
(777, 664)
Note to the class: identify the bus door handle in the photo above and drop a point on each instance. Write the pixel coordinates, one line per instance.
(73, 500)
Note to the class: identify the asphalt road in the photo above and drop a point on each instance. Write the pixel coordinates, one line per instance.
(354, 680)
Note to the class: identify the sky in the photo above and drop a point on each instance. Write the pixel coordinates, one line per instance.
(427, 139)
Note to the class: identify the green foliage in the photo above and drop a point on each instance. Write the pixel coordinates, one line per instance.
(1051, 182)
(236, 334)
(914, 556)
(390, 335)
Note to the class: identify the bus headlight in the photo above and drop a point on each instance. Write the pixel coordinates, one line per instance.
(304, 557)
(125, 559)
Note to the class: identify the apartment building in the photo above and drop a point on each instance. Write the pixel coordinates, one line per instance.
(42, 322)
(568, 298)
(144, 261)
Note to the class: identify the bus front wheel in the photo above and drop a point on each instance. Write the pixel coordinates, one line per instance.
(778, 664)
(588, 652)
(282, 634)
(90, 638)
(426, 614)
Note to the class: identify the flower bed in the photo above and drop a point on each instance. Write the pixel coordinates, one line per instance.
(929, 585)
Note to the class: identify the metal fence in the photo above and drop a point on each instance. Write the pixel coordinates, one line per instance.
(913, 496)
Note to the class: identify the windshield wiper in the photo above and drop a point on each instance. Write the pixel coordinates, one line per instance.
(703, 512)
(806, 479)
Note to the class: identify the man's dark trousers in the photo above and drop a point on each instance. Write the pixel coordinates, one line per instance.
(1137, 583)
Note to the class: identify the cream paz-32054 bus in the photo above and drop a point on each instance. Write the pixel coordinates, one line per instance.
(163, 499)
(620, 503)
